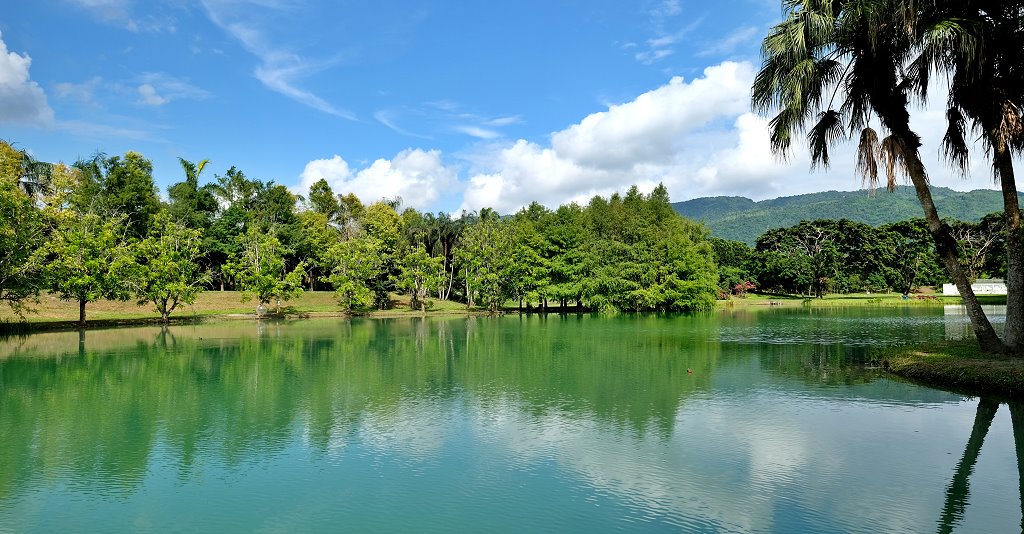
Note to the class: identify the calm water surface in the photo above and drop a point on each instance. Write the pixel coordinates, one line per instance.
(509, 424)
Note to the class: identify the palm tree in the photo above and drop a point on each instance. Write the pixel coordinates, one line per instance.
(841, 64)
(979, 44)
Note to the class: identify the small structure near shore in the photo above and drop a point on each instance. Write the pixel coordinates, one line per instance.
(994, 286)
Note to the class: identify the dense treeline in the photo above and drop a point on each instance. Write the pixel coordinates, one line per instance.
(842, 256)
(99, 230)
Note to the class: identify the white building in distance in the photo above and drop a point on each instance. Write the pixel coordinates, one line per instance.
(994, 286)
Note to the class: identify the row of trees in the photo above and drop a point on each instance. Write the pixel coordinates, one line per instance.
(843, 256)
(99, 230)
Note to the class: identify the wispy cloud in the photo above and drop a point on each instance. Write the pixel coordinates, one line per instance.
(478, 132)
(663, 45)
(279, 69)
(121, 13)
(388, 118)
(157, 89)
(729, 43)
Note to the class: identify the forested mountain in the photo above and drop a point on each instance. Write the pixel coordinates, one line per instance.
(742, 219)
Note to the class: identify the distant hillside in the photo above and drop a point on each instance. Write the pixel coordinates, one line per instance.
(742, 219)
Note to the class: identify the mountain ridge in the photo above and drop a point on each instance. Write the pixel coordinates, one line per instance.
(742, 219)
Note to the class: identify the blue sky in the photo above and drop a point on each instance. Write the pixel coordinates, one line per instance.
(450, 105)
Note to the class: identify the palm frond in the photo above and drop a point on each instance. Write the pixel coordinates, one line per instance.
(954, 143)
(895, 154)
(826, 131)
(867, 157)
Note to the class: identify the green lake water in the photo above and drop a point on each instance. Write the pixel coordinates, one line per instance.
(729, 422)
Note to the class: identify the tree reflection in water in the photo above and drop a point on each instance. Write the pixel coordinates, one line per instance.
(959, 488)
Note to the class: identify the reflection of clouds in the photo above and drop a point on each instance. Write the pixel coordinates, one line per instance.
(416, 427)
(766, 461)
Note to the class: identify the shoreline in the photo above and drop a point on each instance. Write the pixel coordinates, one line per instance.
(958, 367)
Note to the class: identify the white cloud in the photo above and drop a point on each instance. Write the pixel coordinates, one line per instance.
(419, 177)
(650, 128)
(158, 89)
(149, 97)
(22, 101)
(478, 132)
(698, 137)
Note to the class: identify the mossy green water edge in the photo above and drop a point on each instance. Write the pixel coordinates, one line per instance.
(957, 366)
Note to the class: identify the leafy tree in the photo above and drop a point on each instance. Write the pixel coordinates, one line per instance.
(87, 259)
(357, 263)
(21, 233)
(733, 259)
(315, 238)
(569, 241)
(121, 186)
(910, 255)
(322, 199)
(260, 271)
(420, 275)
(484, 261)
(167, 270)
(383, 225)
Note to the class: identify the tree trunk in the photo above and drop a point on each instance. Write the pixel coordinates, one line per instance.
(946, 248)
(81, 312)
(1014, 330)
(945, 245)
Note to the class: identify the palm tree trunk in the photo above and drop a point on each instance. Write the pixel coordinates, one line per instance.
(1014, 329)
(946, 248)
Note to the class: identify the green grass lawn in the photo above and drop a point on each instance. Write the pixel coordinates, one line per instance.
(851, 300)
(50, 309)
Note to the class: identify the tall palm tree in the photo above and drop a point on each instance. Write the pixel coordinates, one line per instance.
(834, 66)
(979, 44)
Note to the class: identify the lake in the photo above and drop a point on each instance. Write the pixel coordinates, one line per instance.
(736, 421)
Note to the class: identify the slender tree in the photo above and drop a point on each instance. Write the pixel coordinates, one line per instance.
(167, 270)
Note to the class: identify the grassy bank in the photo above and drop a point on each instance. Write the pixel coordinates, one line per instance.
(51, 313)
(957, 366)
(850, 300)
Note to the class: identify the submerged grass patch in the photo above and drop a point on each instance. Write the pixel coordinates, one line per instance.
(957, 366)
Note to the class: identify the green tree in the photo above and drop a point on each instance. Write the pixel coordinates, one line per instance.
(260, 271)
(190, 204)
(910, 254)
(382, 224)
(316, 237)
(357, 262)
(852, 55)
(167, 270)
(87, 259)
(21, 234)
(420, 275)
(322, 199)
(485, 260)
(125, 187)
